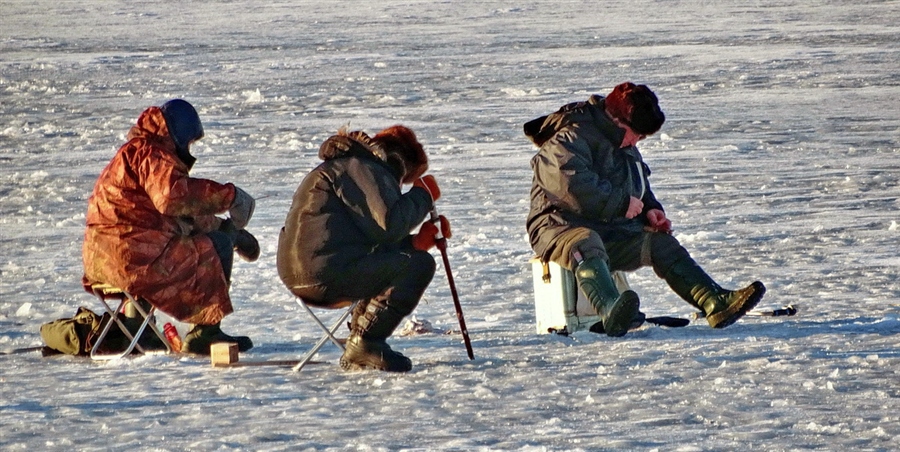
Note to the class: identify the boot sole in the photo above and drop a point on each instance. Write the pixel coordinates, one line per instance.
(737, 310)
(622, 314)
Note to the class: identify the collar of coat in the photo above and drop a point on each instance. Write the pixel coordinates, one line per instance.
(346, 143)
(541, 130)
(358, 144)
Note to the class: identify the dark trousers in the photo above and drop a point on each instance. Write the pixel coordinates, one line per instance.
(631, 252)
(406, 272)
(224, 246)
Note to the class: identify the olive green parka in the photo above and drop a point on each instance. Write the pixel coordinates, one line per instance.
(582, 178)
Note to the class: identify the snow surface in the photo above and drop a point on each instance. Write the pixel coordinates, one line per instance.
(778, 162)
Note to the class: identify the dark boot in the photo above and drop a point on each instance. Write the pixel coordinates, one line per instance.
(367, 346)
(362, 353)
(721, 306)
(617, 311)
(199, 339)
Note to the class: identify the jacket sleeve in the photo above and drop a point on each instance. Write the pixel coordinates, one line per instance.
(173, 192)
(377, 206)
(562, 169)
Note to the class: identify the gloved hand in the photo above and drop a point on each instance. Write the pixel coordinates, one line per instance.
(247, 246)
(425, 239)
(241, 208)
(429, 183)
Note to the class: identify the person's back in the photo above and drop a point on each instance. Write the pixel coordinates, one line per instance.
(347, 206)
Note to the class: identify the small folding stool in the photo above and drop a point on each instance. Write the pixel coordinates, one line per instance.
(105, 292)
(348, 306)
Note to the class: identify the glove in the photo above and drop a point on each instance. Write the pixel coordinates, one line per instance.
(430, 184)
(241, 208)
(247, 246)
(426, 238)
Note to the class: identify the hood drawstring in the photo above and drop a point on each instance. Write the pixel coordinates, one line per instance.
(640, 171)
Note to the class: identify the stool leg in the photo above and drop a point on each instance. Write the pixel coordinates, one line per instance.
(329, 334)
(95, 349)
(150, 321)
(114, 319)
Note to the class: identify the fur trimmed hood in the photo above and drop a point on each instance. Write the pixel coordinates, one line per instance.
(396, 146)
(347, 142)
(403, 149)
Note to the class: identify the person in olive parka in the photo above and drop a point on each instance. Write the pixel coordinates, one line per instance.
(593, 212)
(347, 237)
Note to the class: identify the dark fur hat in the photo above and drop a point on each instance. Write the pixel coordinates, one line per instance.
(637, 107)
(401, 147)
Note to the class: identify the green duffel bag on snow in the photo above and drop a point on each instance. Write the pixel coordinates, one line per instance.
(76, 335)
(71, 335)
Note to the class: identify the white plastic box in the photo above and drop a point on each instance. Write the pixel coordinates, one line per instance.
(559, 306)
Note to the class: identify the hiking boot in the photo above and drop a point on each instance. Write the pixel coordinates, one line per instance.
(372, 322)
(362, 354)
(199, 339)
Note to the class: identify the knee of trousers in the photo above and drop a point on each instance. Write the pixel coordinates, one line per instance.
(665, 251)
(589, 246)
(421, 269)
(409, 287)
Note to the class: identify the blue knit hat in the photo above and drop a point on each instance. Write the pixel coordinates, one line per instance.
(183, 122)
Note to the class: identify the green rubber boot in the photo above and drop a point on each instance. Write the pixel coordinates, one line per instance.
(722, 307)
(617, 311)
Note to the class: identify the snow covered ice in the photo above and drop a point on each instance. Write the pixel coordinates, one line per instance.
(779, 161)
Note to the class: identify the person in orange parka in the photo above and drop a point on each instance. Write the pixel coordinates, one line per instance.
(152, 230)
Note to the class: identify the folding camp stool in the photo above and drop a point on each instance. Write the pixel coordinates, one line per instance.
(348, 306)
(105, 292)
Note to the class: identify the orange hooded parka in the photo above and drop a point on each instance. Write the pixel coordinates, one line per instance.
(146, 227)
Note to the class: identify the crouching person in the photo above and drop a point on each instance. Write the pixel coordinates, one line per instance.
(152, 230)
(593, 212)
(347, 237)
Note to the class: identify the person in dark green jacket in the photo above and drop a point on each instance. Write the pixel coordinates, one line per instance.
(593, 211)
(347, 237)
